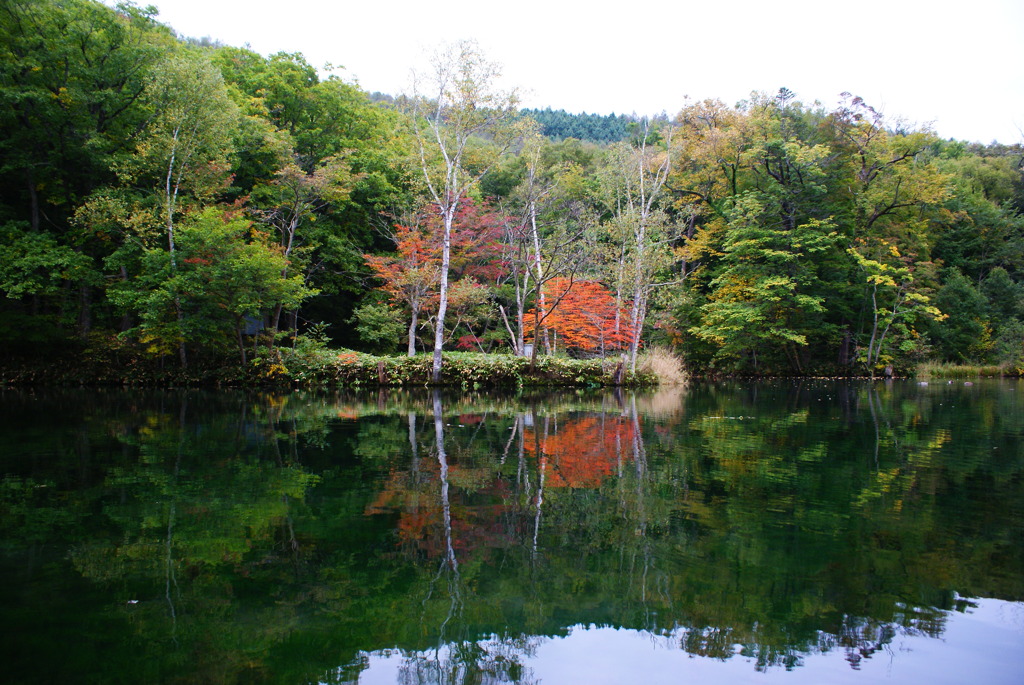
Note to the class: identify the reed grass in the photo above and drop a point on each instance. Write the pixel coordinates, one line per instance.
(664, 364)
(948, 370)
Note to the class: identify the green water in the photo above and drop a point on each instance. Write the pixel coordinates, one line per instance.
(796, 532)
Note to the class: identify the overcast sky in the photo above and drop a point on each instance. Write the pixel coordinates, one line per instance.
(954, 64)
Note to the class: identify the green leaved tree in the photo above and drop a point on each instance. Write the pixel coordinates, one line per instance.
(768, 297)
(221, 275)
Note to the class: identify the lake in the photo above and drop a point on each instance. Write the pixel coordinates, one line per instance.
(785, 532)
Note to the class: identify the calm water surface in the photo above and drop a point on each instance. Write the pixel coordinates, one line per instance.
(811, 532)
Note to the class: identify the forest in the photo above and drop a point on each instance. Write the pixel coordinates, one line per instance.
(201, 203)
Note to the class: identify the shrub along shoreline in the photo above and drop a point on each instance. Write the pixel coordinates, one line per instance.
(311, 367)
(469, 370)
(108, 361)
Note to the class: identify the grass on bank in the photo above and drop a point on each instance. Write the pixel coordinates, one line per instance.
(662, 364)
(932, 370)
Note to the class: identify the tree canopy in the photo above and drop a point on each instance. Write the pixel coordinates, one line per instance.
(765, 237)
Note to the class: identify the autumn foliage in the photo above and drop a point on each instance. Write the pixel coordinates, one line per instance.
(584, 315)
(420, 525)
(411, 275)
(476, 242)
(582, 453)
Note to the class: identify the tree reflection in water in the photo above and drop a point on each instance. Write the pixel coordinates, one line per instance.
(462, 538)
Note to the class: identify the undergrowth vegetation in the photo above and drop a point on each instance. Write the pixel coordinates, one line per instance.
(664, 365)
(311, 362)
(469, 370)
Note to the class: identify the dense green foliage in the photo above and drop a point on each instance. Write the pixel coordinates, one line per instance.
(595, 128)
(205, 204)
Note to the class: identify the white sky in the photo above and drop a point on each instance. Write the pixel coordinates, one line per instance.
(954, 63)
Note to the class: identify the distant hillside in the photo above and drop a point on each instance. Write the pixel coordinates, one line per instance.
(559, 124)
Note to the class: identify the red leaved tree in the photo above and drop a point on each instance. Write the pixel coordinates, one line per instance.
(411, 276)
(586, 317)
(477, 249)
(583, 451)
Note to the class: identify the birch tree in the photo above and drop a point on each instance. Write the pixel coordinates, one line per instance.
(545, 238)
(637, 175)
(186, 143)
(182, 153)
(462, 123)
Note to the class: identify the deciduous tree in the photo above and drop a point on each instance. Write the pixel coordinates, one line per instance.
(222, 273)
(411, 276)
(636, 175)
(896, 302)
(547, 234)
(768, 292)
(456, 105)
(585, 315)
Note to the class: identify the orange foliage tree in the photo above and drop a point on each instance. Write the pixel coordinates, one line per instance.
(585, 316)
(410, 276)
(583, 452)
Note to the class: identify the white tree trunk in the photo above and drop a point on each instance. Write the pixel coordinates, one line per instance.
(442, 306)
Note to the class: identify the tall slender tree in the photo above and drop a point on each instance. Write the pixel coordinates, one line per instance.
(548, 223)
(638, 172)
(185, 146)
(456, 105)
